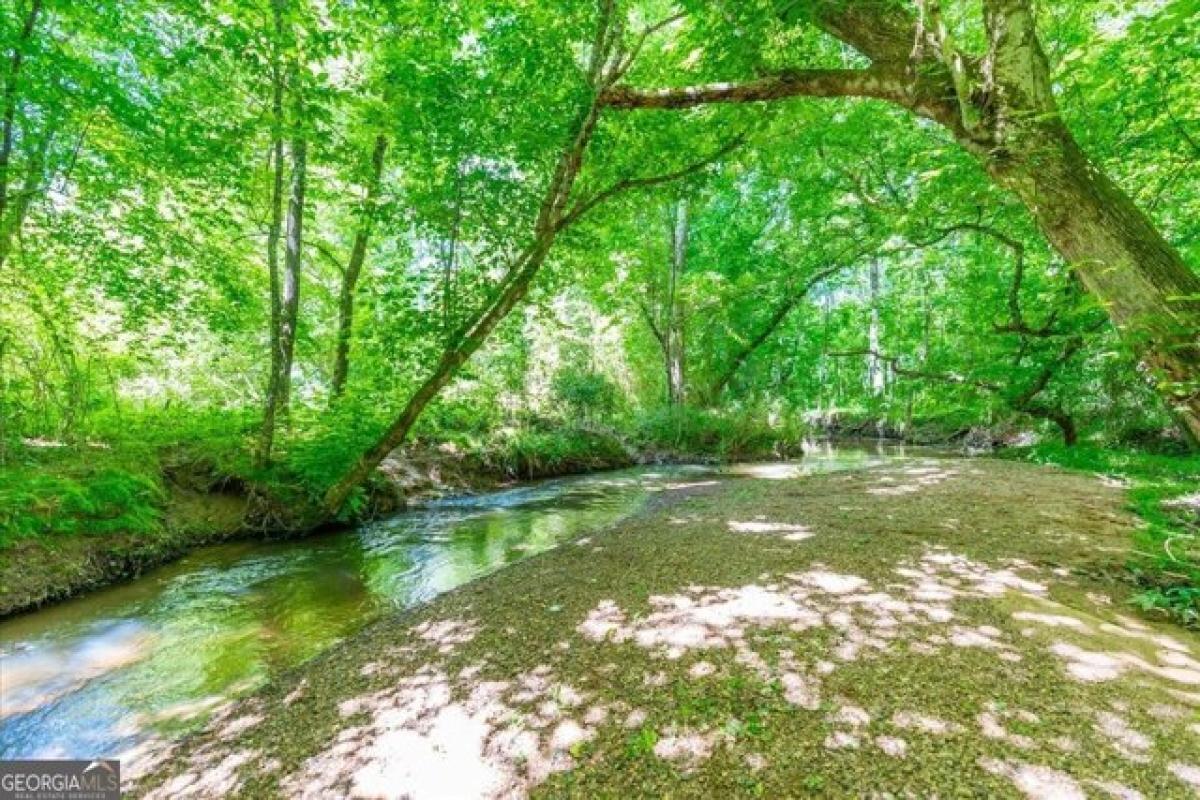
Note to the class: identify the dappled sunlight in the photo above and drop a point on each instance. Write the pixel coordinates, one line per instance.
(1096, 650)
(1034, 781)
(674, 487)
(208, 777)
(788, 531)
(1188, 773)
(688, 748)
(447, 634)
(910, 480)
(1130, 743)
(915, 721)
(648, 676)
(433, 736)
(992, 724)
(767, 472)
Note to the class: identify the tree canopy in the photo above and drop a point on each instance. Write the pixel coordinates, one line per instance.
(351, 219)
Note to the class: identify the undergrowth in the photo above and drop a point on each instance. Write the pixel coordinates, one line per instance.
(682, 431)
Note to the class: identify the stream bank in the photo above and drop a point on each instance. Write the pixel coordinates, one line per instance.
(204, 506)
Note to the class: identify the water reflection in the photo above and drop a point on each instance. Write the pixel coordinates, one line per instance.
(99, 675)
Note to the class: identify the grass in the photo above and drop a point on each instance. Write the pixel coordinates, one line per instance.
(1165, 563)
(78, 493)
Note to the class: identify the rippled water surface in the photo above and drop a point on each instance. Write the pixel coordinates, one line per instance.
(98, 675)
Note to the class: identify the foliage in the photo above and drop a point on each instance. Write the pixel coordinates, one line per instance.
(587, 396)
(531, 453)
(732, 275)
(685, 432)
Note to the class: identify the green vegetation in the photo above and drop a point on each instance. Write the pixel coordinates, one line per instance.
(93, 500)
(272, 267)
(259, 248)
(1164, 491)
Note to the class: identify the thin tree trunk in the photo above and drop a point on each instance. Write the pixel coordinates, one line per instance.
(8, 119)
(266, 439)
(609, 62)
(675, 351)
(472, 336)
(876, 377)
(450, 259)
(358, 255)
(12, 217)
(292, 264)
(777, 318)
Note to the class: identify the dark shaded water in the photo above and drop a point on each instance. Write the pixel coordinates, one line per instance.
(98, 675)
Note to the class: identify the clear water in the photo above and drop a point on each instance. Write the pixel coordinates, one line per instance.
(99, 675)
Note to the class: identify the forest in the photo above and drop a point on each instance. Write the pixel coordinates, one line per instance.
(273, 271)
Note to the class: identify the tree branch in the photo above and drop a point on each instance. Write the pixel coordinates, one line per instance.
(583, 206)
(943, 377)
(870, 82)
(1017, 322)
(781, 313)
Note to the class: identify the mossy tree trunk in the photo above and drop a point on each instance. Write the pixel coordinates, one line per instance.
(354, 266)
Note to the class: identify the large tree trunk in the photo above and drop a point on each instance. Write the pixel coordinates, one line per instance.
(1150, 294)
(358, 256)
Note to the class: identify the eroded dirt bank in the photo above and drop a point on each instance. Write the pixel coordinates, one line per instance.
(935, 627)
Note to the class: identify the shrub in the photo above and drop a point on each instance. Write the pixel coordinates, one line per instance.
(587, 396)
(531, 453)
(683, 431)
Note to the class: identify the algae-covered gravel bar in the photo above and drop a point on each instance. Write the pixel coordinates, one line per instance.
(934, 627)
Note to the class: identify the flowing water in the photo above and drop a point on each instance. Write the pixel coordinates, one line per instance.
(101, 674)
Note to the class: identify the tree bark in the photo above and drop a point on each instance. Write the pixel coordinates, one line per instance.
(609, 62)
(674, 351)
(1152, 297)
(876, 369)
(777, 318)
(353, 271)
(266, 440)
(8, 118)
(12, 217)
(292, 265)
(550, 221)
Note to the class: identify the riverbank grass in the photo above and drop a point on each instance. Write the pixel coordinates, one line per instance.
(1164, 492)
